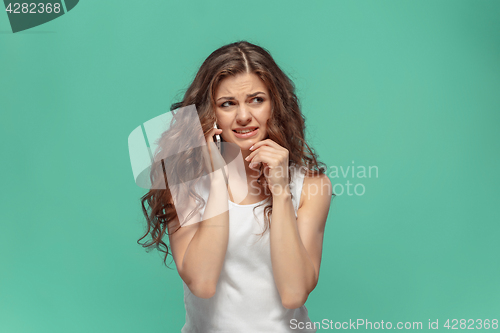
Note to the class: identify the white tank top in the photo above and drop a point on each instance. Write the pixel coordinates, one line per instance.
(246, 298)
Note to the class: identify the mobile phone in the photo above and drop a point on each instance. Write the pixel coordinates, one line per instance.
(218, 144)
(217, 138)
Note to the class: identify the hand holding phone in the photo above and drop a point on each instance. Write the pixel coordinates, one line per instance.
(217, 138)
(215, 157)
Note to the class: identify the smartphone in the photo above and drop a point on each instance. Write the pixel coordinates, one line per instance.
(217, 138)
(218, 144)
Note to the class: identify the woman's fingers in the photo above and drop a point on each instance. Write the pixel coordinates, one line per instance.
(274, 161)
(267, 142)
(210, 135)
(267, 157)
(267, 149)
(215, 159)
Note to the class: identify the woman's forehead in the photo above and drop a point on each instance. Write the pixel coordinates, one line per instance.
(240, 85)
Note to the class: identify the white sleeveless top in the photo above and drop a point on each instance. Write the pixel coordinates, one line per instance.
(246, 298)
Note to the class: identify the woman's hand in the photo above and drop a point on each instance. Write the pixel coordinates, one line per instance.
(214, 161)
(274, 158)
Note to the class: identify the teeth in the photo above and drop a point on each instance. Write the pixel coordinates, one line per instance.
(243, 132)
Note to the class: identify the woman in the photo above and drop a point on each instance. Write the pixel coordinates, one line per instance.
(234, 281)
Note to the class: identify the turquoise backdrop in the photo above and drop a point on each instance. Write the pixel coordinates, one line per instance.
(411, 88)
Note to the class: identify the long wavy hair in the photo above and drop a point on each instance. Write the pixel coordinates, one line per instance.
(286, 126)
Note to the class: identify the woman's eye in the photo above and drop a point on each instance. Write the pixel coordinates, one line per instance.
(254, 100)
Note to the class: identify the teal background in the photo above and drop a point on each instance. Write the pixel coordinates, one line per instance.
(411, 87)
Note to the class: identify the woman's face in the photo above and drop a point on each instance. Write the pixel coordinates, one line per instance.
(242, 108)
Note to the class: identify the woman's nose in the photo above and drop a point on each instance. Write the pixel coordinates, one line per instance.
(243, 116)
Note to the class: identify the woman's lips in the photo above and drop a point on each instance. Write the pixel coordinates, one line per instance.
(246, 135)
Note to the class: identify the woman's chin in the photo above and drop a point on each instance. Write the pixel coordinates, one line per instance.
(245, 146)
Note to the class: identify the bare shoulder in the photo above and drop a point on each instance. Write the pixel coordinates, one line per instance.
(316, 188)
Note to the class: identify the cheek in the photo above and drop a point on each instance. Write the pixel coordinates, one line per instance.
(225, 126)
(264, 117)
(222, 122)
(266, 114)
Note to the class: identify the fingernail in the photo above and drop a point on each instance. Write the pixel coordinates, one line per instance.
(251, 147)
(246, 158)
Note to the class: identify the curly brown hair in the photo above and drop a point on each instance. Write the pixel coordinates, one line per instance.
(286, 126)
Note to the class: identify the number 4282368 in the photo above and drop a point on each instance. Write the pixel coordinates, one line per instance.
(471, 324)
(33, 8)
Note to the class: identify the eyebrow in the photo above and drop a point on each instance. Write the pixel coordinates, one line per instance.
(249, 95)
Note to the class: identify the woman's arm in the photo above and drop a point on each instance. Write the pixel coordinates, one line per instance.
(296, 242)
(199, 247)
